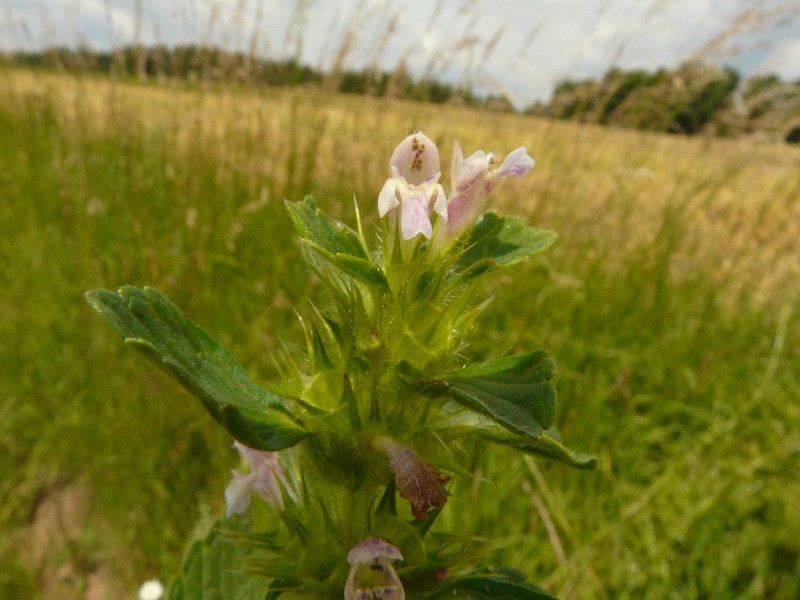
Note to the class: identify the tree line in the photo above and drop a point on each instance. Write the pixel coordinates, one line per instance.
(212, 64)
(691, 99)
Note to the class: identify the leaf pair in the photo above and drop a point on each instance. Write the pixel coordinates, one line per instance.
(495, 242)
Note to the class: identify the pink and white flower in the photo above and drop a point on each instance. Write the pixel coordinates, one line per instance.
(372, 574)
(473, 178)
(413, 186)
(265, 478)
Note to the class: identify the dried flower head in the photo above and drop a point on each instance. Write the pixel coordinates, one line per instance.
(417, 481)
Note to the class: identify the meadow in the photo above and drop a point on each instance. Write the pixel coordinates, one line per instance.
(670, 302)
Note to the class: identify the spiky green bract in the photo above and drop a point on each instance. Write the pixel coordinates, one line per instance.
(339, 244)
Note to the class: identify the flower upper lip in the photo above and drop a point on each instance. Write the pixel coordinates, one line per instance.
(372, 548)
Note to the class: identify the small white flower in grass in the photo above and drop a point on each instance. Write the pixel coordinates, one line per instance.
(413, 185)
(472, 179)
(151, 590)
(372, 574)
(264, 479)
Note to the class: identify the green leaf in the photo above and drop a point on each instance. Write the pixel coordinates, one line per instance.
(480, 587)
(546, 446)
(211, 570)
(498, 242)
(335, 242)
(513, 391)
(149, 322)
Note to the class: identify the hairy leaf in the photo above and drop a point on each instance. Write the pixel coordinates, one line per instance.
(546, 446)
(149, 322)
(513, 391)
(498, 242)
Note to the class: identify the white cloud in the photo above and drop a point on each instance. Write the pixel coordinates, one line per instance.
(541, 41)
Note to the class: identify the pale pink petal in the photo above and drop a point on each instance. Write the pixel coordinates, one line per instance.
(473, 171)
(440, 202)
(387, 200)
(432, 179)
(266, 485)
(263, 479)
(517, 164)
(373, 548)
(414, 213)
(459, 213)
(455, 168)
(237, 494)
(416, 158)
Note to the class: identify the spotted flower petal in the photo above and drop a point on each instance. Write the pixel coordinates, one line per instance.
(372, 574)
(415, 159)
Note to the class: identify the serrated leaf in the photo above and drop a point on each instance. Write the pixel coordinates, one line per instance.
(513, 391)
(335, 242)
(149, 322)
(498, 242)
(546, 446)
(494, 587)
(211, 570)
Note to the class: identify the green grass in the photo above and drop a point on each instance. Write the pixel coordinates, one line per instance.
(669, 301)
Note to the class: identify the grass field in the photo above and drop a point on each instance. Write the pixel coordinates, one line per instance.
(670, 301)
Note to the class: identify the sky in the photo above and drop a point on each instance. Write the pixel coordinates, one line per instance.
(519, 48)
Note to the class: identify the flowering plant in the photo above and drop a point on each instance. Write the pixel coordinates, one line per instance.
(382, 406)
